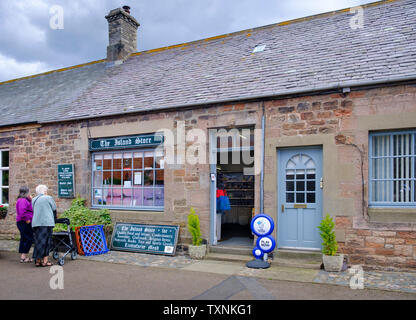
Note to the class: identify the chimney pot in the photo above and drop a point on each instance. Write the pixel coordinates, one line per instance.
(127, 9)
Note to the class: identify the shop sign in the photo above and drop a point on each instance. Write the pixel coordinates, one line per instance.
(156, 239)
(66, 185)
(125, 142)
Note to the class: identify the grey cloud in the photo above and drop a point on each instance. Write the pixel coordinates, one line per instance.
(27, 38)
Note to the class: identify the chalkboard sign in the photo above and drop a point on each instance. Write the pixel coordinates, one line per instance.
(145, 238)
(66, 186)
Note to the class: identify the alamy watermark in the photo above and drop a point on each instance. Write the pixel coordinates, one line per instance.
(56, 20)
(357, 279)
(357, 21)
(57, 280)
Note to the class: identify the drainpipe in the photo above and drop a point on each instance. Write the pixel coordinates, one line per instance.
(262, 162)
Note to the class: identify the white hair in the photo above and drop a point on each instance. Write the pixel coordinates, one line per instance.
(41, 189)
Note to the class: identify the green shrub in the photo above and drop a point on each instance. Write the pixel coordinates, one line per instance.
(194, 227)
(329, 244)
(79, 215)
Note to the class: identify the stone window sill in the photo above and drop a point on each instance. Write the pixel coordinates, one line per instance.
(392, 215)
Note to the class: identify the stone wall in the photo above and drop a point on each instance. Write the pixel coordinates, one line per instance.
(339, 123)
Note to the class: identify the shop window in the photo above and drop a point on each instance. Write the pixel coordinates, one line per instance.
(392, 169)
(128, 179)
(4, 177)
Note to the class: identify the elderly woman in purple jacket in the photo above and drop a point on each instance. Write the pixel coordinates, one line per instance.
(24, 215)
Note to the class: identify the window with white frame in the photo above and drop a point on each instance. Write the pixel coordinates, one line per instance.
(4, 177)
(128, 179)
(392, 168)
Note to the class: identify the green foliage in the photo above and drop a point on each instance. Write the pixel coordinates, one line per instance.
(329, 244)
(79, 215)
(3, 211)
(194, 227)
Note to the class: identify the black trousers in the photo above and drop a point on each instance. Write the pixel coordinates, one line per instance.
(26, 236)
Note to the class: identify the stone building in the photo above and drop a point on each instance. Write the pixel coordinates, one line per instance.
(326, 107)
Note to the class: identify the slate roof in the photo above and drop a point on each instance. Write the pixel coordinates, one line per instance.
(310, 53)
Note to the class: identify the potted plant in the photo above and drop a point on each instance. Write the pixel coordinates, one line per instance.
(332, 261)
(197, 250)
(3, 211)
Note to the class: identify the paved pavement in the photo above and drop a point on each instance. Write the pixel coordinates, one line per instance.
(235, 277)
(86, 279)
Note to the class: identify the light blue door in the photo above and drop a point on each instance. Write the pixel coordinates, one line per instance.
(299, 197)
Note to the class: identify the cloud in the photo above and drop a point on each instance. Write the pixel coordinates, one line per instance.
(10, 68)
(30, 44)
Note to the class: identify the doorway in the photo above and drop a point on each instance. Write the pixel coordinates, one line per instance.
(233, 226)
(299, 198)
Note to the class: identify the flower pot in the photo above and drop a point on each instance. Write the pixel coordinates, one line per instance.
(333, 263)
(3, 214)
(197, 252)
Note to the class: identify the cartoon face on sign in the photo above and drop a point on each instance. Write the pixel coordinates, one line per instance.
(262, 226)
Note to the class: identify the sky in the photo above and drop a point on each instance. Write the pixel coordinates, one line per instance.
(33, 41)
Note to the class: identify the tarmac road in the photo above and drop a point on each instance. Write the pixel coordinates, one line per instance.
(99, 280)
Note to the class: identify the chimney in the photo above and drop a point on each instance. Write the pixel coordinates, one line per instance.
(122, 32)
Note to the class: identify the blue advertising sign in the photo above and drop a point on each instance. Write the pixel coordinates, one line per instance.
(262, 225)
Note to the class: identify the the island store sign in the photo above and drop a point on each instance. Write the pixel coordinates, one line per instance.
(126, 142)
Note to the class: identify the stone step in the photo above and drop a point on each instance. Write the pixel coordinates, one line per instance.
(228, 257)
(231, 250)
(312, 256)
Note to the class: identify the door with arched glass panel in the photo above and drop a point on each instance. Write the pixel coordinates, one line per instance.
(299, 198)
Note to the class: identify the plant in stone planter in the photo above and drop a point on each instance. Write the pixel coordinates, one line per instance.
(332, 261)
(3, 211)
(197, 250)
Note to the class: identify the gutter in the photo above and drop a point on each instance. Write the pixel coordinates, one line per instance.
(289, 92)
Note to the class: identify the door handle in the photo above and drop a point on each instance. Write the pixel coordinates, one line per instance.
(321, 183)
(283, 208)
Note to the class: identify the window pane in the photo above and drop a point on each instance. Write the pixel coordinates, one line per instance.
(127, 197)
(300, 197)
(148, 197)
(5, 178)
(5, 196)
(138, 160)
(300, 185)
(107, 162)
(137, 197)
(290, 186)
(138, 178)
(381, 146)
(127, 179)
(402, 144)
(159, 197)
(382, 168)
(311, 185)
(148, 177)
(310, 197)
(148, 160)
(97, 178)
(160, 179)
(117, 161)
(98, 197)
(107, 177)
(127, 161)
(290, 197)
(382, 191)
(159, 160)
(5, 159)
(117, 178)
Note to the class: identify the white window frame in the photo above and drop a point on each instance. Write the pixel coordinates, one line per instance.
(129, 208)
(1, 175)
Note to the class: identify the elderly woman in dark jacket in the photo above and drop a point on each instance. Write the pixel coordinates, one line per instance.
(44, 209)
